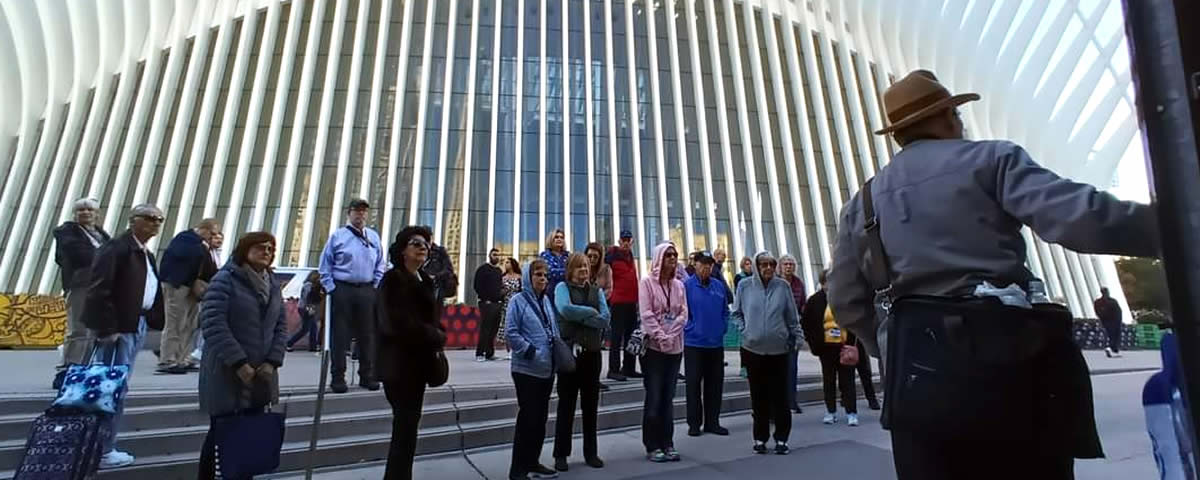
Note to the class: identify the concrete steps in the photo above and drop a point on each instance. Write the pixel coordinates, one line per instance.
(165, 431)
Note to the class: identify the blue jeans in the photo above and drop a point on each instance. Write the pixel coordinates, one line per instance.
(121, 352)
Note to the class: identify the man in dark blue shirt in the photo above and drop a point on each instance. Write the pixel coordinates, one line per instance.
(351, 266)
(186, 268)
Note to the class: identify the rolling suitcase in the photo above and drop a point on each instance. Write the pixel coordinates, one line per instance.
(64, 446)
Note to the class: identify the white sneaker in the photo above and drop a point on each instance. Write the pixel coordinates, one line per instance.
(115, 459)
(852, 419)
(830, 419)
(1108, 352)
(480, 359)
(197, 355)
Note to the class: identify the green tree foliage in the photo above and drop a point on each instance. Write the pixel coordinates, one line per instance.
(1145, 284)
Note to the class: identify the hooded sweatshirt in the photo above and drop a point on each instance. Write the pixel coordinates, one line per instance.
(664, 309)
(766, 314)
(530, 328)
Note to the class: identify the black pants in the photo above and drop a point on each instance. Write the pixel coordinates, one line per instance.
(768, 395)
(207, 470)
(864, 373)
(308, 326)
(406, 396)
(918, 457)
(661, 372)
(489, 326)
(533, 409)
(624, 321)
(836, 376)
(353, 317)
(705, 372)
(584, 385)
(1114, 336)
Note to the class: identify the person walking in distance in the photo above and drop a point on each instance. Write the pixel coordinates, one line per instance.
(583, 317)
(1110, 314)
(703, 347)
(512, 286)
(489, 287)
(599, 273)
(944, 216)
(825, 341)
(124, 299)
(766, 314)
(214, 248)
(747, 271)
(530, 331)
(243, 318)
(187, 266)
(555, 256)
(664, 313)
(410, 335)
(787, 270)
(311, 298)
(351, 266)
(624, 304)
(75, 245)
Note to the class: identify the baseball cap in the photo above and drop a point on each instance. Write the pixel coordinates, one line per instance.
(357, 203)
(703, 256)
(626, 234)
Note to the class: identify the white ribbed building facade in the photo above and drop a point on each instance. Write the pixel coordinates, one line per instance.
(714, 123)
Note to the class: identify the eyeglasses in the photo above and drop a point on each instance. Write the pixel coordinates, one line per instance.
(265, 247)
(152, 218)
(538, 274)
(418, 242)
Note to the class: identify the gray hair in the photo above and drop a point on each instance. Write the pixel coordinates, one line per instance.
(144, 209)
(88, 203)
(787, 258)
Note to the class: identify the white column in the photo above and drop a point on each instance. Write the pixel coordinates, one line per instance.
(714, 51)
(343, 159)
(610, 65)
(422, 112)
(813, 74)
(372, 134)
(323, 128)
(498, 24)
(832, 79)
(850, 82)
(283, 83)
(469, 153)
(710, 201)
(519, 129)
(650, 9)
(444, 141)
(397, 120)
(543, 112)
(764, 122)
(565, 73)
(739, 90)
(643, 248)
(689, 240)
(588, 119)
(233, 102)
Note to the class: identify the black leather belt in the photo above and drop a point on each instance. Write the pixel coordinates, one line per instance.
(354, 284)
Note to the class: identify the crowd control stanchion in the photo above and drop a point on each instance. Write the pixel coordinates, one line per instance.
(316, 425)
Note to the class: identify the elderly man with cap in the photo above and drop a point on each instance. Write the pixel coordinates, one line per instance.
(623, 302)
(124, 299)
(944, 216)
(351, 265)
(703, 346)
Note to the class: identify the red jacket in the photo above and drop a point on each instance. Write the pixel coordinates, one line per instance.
(624, 276)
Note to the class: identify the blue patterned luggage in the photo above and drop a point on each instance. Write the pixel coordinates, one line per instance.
(64, 446)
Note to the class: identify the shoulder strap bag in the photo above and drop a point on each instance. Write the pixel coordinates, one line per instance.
(561, 355)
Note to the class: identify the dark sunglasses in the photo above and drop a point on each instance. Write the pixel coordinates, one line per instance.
(152, 218)
(418, 242)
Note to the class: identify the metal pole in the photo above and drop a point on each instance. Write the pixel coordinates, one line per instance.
(1168, 98)
(316, 425)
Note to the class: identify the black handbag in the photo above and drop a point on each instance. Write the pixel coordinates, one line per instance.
(1002, 373)
(248, 444)
(439, 371)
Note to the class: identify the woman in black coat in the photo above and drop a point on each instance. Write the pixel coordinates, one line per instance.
(242, 317)
(410, 336)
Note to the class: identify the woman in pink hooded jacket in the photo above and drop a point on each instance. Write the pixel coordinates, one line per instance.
(664, 313)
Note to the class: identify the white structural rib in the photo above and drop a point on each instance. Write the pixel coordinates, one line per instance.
(323, 120)
(347, 140)
(832, 81)
(651, 10)
(635, 138)
(714, 51)
(543, 113)
(764, 129)
(311, 52)
(397, 121)
(689, 239)
(372, 133)
(739, 91)
(610, 72)
(589, 122)
(518, 137)
(422, 112)
(564, 71)
(813, 74)
(497, 29)
(283, 84)
(254, 112)
(233, 103)
(469, 149)
(850, 82)
(710, 202)
(789, 156)
(127, 70)
(803, 129)
(444, 139)
(208, 109)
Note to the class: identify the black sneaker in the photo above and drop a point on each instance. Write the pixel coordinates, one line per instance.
(540, 471)
(672, 454)
(781, 448)
(873, 403)
(604, 388)
(339, 387)
(594, 462)
(797, 409)
(518, 477)
(618, 377)
(760, 448)
(632, 374)
(560, 464)
(371, 385)
(177, 370)
(289, 348)
(717, 430)
(693, 431)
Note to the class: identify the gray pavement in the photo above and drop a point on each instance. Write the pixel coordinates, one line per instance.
(820, 451)
(30, 371)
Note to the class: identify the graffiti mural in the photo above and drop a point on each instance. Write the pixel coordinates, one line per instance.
(32, 321)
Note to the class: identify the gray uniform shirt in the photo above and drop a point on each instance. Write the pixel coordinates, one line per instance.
(951, 213)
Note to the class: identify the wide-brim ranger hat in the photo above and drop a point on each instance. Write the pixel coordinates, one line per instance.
(917, 96)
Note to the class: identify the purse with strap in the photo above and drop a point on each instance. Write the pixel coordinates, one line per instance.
(94, 388)
(560, 353)
(1003, 373)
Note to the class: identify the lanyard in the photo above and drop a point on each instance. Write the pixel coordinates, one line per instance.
(666, 294)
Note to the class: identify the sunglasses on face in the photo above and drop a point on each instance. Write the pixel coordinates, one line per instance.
(153, 218)
(418, 242)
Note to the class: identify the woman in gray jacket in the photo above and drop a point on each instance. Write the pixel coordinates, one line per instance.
(766, 314)
(244, 337)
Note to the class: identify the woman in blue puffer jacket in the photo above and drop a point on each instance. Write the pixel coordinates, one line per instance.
(530, 330)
